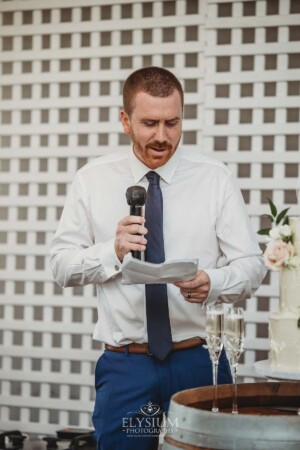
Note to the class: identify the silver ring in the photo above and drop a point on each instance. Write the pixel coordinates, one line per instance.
(189, 295)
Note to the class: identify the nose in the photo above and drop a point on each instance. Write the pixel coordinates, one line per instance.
(161, 133)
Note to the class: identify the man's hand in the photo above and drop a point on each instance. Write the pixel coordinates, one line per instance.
(127, 236)
(196, 290)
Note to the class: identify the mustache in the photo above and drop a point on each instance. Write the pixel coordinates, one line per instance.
(159, 145)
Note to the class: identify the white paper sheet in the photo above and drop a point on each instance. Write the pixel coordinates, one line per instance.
(135, 271)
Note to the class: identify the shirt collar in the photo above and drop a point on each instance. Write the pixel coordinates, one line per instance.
(166, 171)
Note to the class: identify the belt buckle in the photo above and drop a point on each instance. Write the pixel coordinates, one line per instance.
(148, 351)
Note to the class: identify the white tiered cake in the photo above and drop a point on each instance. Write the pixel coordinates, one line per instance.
(284, 325)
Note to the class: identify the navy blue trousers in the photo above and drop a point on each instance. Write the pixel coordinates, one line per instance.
(133, 391)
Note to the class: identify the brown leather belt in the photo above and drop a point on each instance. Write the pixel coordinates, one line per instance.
(143, 348)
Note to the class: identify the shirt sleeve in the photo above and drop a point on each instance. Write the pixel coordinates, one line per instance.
(75, 259)
(241, 269)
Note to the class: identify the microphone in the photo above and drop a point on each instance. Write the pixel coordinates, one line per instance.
(136, 198)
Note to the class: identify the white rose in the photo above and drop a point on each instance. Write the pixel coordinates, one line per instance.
(274, 233)
(294, 262)
(285, 231)
(277, 254)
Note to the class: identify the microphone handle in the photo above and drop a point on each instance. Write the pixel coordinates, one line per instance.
(136, 211)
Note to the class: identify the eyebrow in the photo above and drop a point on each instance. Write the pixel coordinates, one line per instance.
(157, 120)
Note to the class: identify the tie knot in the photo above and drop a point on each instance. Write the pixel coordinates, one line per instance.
(153, 178)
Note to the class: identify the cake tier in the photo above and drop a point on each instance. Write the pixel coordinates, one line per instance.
(290, 291)
(283, 325)
(284, 342)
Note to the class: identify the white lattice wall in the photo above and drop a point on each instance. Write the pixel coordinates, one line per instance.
(62, 64)
(251, 120)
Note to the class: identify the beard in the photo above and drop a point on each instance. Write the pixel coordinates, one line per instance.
(155, 153)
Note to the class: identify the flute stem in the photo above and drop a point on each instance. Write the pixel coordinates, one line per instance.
(234, 397)
(215, 408)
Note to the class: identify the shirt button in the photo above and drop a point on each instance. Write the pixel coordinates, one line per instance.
(117, 268)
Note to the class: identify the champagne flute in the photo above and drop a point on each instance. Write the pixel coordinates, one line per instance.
(234, 331)
(214, 338)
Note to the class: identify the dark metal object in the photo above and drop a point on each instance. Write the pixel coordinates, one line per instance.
(15, 437)
(136, 198)
(51, 442)
(69, 439)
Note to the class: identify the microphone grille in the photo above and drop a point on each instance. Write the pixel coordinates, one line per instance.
(136, 196)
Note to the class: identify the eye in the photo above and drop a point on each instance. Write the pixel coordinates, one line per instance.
(149, 123)
(172, 123)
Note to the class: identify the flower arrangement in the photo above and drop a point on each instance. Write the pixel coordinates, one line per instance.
(280, 252)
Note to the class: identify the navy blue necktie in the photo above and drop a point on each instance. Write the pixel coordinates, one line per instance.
(157, 310)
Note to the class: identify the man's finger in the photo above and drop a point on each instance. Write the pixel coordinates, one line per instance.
(128, 220)
(200, 280)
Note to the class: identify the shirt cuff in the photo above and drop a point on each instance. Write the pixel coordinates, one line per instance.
(217, 279)
(110, 261)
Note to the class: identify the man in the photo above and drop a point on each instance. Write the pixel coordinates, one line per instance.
(203, 216)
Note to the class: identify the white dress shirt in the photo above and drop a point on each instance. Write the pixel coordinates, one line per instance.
(204, 217)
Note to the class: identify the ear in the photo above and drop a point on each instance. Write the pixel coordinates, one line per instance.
(125, 121)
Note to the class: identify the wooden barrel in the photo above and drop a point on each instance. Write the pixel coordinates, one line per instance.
(267, 418)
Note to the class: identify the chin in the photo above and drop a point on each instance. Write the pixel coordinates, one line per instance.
(158, 161)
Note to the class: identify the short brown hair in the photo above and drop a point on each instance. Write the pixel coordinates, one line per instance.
(155, 81)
